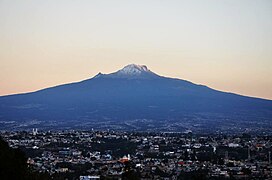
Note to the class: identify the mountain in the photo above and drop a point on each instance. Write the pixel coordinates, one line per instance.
(135, 98)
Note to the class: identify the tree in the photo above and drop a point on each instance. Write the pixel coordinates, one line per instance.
(13, 165)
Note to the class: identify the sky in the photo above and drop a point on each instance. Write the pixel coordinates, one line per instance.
(224, 44)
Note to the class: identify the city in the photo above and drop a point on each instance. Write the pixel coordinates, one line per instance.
(136, 90)
(142, 155)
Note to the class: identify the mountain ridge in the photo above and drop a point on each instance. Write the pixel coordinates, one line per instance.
(116, 98)
(117, 75)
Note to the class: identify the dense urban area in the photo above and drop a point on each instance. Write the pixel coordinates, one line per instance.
(141, 155)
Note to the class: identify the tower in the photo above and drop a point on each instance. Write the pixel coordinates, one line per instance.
(226, 155)
(214, 149)
(248, 153)
(34, 131)
(269, 157)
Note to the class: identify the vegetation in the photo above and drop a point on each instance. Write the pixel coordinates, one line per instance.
(13, 165)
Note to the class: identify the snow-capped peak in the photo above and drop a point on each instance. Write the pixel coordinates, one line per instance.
(133, 69)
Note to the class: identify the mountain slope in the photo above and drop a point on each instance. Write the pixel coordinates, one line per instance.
(134, 93)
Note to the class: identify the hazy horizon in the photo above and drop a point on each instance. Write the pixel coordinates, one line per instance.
(226, 45)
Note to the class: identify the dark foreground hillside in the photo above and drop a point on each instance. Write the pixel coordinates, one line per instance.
(13, 165)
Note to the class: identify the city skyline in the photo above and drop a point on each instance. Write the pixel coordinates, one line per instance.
(225, 45)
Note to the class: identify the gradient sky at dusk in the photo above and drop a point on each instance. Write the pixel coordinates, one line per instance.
(224, 44)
